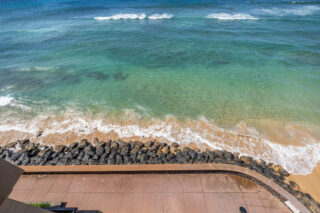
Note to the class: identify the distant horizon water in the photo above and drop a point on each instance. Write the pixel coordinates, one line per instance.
(242, 76)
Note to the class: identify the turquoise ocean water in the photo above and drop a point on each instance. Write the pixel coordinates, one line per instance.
(222, 62)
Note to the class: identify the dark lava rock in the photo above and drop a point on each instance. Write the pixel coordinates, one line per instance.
(99, 150)
(125, 150)
(119, 159)
(88, 148)
(171, 156)
(81, 155)
(95, 157)
(193, 155)
(163, 158)
(186, 150)
(86, 158)
(246, 160)
(227, 155)
(114, 144)
(83, 143)
(294, 185)
(175, 145)
(74, 145)
(30, 147)
(127, 159)
(143, 158)
(15, 156)
(34, 152)
(11, 145)
(151, 154)
(211, 156)
(24, 142)
(103, 158)
(93, 162)
(201, 158)
(25, 162)
(180, 158)
(135, 149)
(165, 150)
(107, 149)
(95, 141)
(43, 151)
(111, 161)
(59, 148)
(148, 143)
(217, 153)
(138, 144)
(154, 147)
(281, 171)
(39, 133)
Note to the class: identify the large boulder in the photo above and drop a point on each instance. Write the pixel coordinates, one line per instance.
(59, 148)
(83, 143)
(100, 149)
(43, 151)
(11, 145)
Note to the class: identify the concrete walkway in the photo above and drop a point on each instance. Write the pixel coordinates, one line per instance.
(197, 192)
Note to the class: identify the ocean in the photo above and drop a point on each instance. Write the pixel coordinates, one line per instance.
(237, 75)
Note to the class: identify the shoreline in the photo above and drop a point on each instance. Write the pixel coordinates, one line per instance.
(298, 156)
(25, 153)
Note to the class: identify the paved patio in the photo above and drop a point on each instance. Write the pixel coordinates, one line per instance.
(150, 193)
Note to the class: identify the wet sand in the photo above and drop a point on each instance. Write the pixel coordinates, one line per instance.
(309, 183)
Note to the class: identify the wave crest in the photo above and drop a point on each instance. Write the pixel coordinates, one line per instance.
(160, 16)
(134, 16)
(300, 11)
(227, 16)
(36, 68)
(5, 100)
(122, 16)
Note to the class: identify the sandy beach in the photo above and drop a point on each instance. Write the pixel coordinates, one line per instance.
(309, 183)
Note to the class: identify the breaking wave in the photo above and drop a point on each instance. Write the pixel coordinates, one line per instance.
(5, 100)
(134, 16)
(122, 16)
(298, 11)
(227, 16)
(160, 16)
(36, 68)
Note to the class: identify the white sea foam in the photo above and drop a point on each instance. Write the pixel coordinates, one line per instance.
(5, 100)
(296, 159)
(122, 16)
(134, 16)
(5, 89)
(296, 11)
(227, 16)
(36, 68)
(160, 16)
